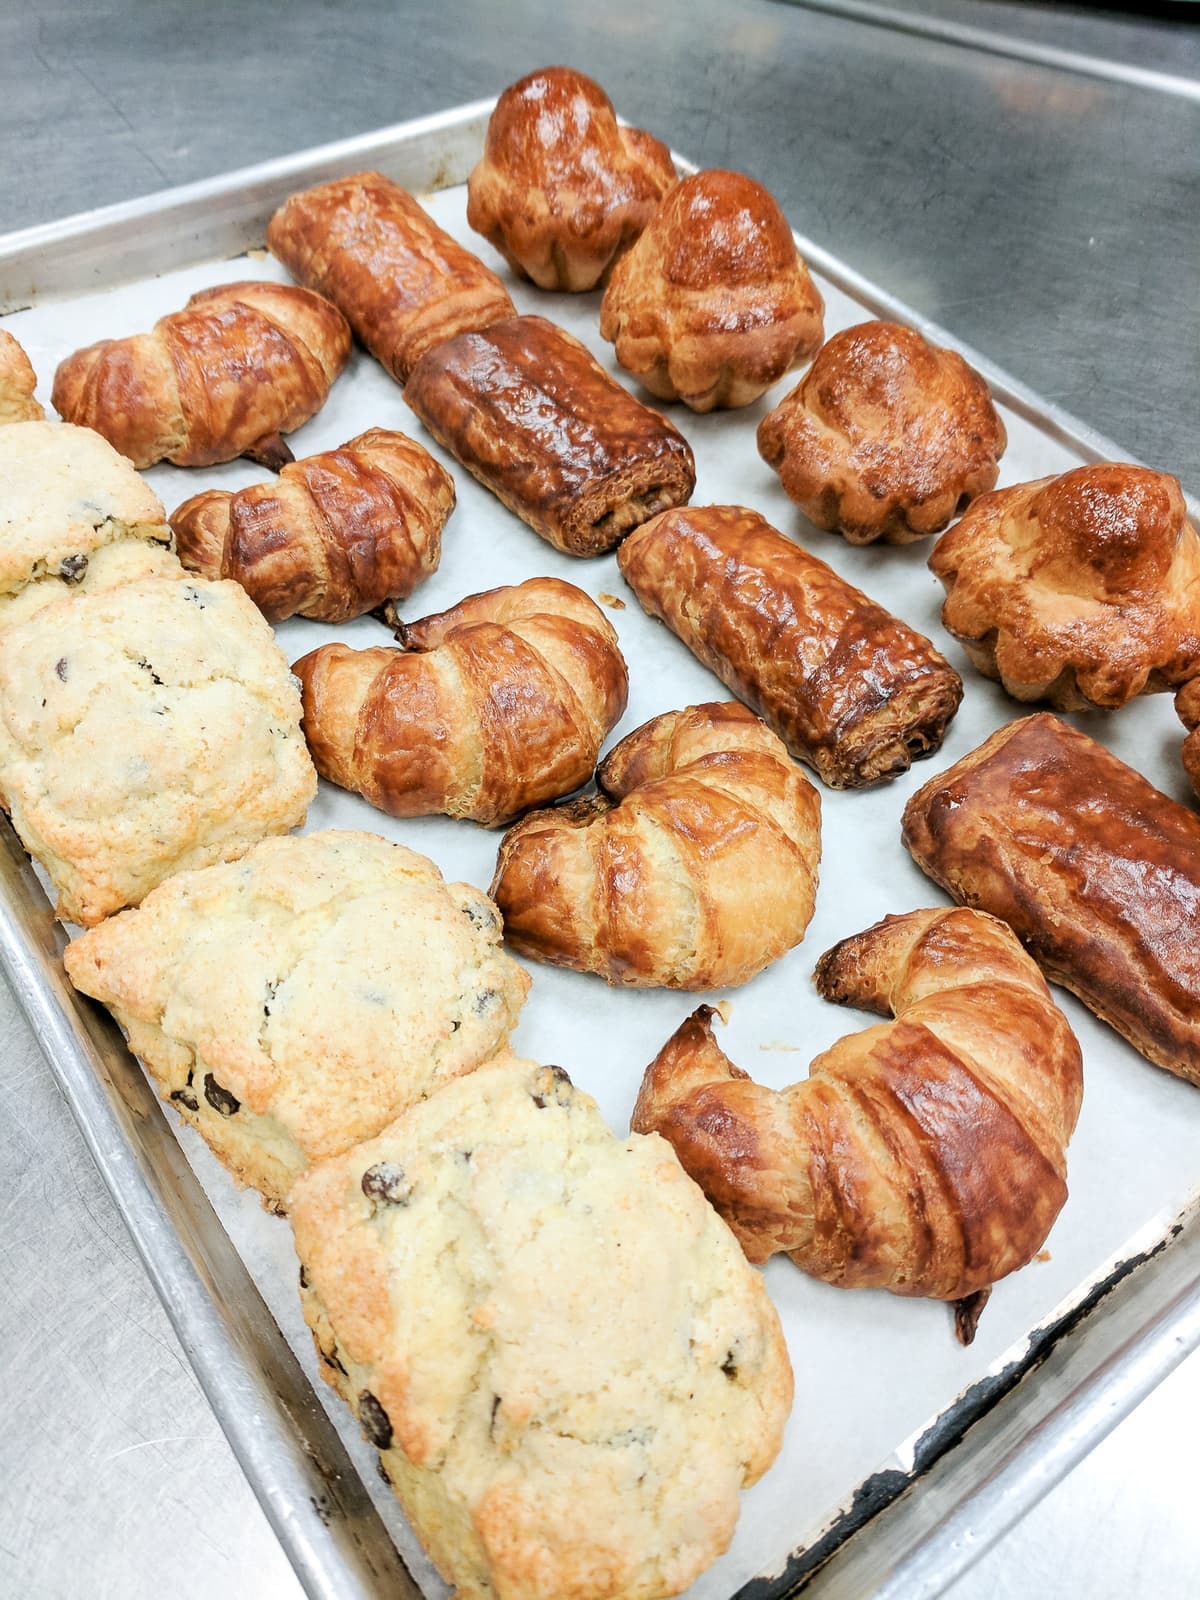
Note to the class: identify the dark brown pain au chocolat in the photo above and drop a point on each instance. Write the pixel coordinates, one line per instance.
(1095, 870)
(538, 421)
(848, 687)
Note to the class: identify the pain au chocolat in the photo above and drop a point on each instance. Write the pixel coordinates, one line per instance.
(847, 686)
(402, 282)
(528, 411)
(1096, 870)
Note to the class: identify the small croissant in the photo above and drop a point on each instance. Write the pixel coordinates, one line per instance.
(17, 383)
(694, 868)
(496, 705)
(332, 537)
(238, 367)
(926, 1155)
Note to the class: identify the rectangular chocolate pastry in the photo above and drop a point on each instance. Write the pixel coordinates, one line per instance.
(530, 413)
(848, 687)
(402, 283)
(1095, 870)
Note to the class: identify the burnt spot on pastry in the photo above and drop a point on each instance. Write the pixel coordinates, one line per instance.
(71, 569)
(219, 1098)
(376, 1423)
(387, 1184)
(729, 1366)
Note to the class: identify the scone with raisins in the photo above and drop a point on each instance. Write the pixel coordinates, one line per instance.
(145, 730)
(296, 1001)
(564, 1358)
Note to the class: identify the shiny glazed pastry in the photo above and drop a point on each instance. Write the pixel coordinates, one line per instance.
(1096, 871)
(713, 304)
(531, 414)
(238, 367)
(848, 687)
(562, 188)
(17, 383)
(1083, 590)
(1187, 704)
(694, 868)
(295, 1002)
(496, 705)
(402, 282)
(332, 537)
(566, 1363)
(926, 1155)
(886, 438)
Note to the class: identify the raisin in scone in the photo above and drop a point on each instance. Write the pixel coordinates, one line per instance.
(566, 1362)
(295, 1002)
(144, 730)
(68, 501)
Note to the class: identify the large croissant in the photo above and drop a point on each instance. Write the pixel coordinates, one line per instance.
(240, 365)
(699, 877)
(496, 705)
(332, 536)
(925, 1155)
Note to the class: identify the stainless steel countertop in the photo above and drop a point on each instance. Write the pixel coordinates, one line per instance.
(1047, 218)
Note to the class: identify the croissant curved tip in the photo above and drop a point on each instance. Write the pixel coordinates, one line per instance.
(271, 451)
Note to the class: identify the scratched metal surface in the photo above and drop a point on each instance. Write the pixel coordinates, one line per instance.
(970, 187)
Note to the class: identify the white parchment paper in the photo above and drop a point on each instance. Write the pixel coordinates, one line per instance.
(872, 1370)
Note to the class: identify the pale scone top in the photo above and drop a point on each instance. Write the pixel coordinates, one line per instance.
(145, 729)
(555, 1323)
(64, 493)
(327, 980)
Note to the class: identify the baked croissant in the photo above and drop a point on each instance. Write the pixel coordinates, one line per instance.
(562, 188)
(17, 383)
(332, 537)
(713, 304)
(238, 367)
(886, 438)
(1083, 590)
(496, 705)
(694, 868)
(1187, 704)
(926, 1155)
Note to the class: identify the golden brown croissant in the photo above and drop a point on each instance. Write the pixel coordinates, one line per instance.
(17, 383)
(694, 868)
(402, 282)
(333, 536)
(848, 687)
(1187, 704)
(496, 705)
(226, 376)
(562, 188)
(925, 1155)
(713, 304)
(1083, 590)
(886, 438)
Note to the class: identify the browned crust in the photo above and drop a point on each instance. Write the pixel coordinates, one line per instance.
(333, 537)
(530, 413)
(887, 437)
(402, 282)
(849, 688)
(926, 1155)
(1098, 873)
(17, 383)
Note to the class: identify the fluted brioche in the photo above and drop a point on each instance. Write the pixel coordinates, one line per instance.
(694, 867)
(17, 383)
(239, 366)
(500, 703)
(295, 1002)
(1082, 589)
(333, 537)
(562, 189)
(713, 304)
(146, 729)
(563, 1357)
(886, 438)
(926, 1155)
(402, 282)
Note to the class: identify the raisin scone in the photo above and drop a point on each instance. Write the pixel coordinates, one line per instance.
(566, 1362)
(144, 730)
(295, 1002)
(67, 501)
(17, 383)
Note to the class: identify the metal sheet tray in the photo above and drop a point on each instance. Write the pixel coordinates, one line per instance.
(1061, 1356)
